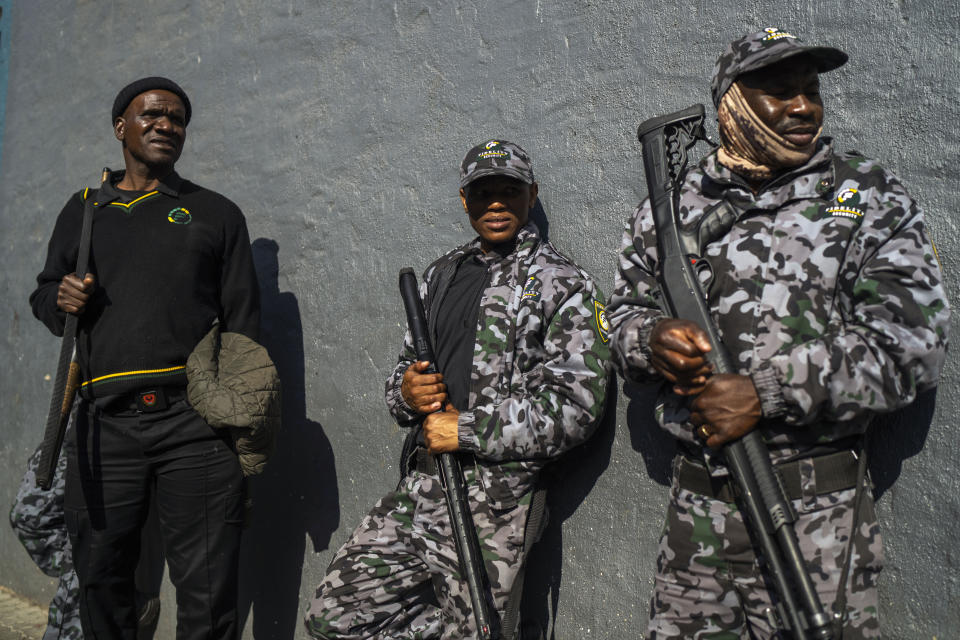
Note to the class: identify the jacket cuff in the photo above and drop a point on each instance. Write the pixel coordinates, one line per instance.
(403, 410)
(466, 434)
(643, 336)
(772, 402)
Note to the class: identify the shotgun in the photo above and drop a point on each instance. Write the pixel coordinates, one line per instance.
(665, 141)
(451, 474)
(67, 382)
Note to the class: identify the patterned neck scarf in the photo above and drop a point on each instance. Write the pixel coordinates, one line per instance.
(751, 148)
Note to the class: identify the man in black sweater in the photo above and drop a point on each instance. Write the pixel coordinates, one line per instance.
(168, 258)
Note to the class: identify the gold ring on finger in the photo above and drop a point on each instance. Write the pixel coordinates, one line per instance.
(703, 432)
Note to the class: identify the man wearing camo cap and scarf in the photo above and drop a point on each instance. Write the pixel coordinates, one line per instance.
(829, 296)
(521, 342)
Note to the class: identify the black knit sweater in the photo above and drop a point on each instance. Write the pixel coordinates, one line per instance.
(167, 263)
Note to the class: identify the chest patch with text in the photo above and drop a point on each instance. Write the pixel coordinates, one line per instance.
(848, 205)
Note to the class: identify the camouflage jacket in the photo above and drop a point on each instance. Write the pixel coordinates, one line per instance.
(826, 291)
(540, 362)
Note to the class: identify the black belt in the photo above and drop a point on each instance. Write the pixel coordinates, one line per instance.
(146, 400)
(832, 472)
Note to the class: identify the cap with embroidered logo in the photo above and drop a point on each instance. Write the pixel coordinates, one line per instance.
(496, 158)
(763, 48)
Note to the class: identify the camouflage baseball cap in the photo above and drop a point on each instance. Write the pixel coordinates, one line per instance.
(764, 48)
(496, 158)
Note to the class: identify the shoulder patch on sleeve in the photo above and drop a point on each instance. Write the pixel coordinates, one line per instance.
(600, 320)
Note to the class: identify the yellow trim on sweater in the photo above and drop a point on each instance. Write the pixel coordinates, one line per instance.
(142, 372)
(132, 202)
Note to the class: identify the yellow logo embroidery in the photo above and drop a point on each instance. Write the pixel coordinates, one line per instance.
(493, 150)
(179, 216)
(532, 288)
(846, 207)
(603, 325)
(846, 194)
(775, 33)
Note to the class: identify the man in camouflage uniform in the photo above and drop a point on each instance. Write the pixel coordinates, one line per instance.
(828, 294)
(520, 338)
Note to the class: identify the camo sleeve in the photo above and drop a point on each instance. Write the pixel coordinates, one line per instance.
(556, 403)
(633, 309)
(887, 338)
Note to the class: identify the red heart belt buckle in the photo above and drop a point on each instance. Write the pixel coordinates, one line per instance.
(152, 400)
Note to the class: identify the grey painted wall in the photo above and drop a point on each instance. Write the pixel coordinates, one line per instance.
(4, 58)
(337, 127)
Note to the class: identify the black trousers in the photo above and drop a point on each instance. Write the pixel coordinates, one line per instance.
(116, 461)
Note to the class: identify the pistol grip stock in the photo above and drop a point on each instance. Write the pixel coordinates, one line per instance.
(692, 114)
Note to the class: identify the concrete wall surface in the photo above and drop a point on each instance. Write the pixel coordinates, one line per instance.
(338, 128)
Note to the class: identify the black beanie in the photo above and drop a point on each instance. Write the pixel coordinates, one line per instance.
(135, 88)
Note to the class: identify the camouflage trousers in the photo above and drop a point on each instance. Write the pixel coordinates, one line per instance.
(397, 576)
(709, 585)
(38, 520)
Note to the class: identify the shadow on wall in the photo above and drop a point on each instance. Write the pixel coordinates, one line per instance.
(654, 445)
(538, 216)
(569, 482)
(296, 496)
(896, 436)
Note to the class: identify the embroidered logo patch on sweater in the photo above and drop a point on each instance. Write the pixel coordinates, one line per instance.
(179, 216)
